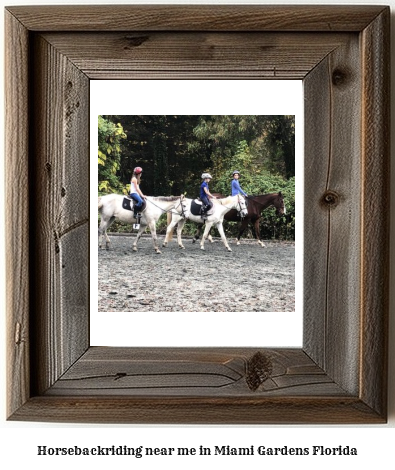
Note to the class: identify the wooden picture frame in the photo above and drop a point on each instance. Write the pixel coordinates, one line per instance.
(340, 374)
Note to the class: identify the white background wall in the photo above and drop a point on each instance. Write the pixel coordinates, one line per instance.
(19, 441)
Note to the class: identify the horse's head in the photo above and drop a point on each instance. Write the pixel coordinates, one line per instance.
(279, 204)
(241, 206)
(183, 206)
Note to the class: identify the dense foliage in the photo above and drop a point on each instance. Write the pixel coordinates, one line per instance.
(110, 136)
(175, 150)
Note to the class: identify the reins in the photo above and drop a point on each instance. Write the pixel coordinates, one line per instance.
(169, 210)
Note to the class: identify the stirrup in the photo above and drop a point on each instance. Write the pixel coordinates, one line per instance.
(137, 216)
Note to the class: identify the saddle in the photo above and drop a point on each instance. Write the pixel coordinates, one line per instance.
(128, 204)
(197, 207)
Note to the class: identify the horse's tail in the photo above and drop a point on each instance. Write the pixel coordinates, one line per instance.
(100, 203)
(169, 217)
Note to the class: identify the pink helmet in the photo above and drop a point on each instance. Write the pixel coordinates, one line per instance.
(138, 170)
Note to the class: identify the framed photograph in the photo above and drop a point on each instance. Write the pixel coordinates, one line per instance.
(172, 148)
(339, 374)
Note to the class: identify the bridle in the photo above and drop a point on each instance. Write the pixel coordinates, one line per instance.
(238, 207)
(182, 207)
(182, 213)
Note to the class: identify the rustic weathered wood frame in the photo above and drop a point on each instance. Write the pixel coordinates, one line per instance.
(340, 374)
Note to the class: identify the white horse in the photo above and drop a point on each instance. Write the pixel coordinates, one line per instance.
(110, 208)
(215, 217)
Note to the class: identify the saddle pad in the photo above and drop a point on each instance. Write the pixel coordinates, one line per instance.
(196, 207)
(127, 204)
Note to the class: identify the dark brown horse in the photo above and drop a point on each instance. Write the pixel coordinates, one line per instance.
(255, 205)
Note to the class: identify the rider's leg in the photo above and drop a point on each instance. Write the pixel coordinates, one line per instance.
(138, 203)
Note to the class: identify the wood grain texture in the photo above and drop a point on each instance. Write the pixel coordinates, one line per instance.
(60, 251)
(17, 213)
(196, 18)
(188, 372)
(332, 195)
(159, 385)
(376, 211)
(190, 55)
(339, 376)
(198, 410)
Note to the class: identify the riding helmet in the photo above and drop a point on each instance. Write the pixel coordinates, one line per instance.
(236, 173)
(137, 170)
(206, 175)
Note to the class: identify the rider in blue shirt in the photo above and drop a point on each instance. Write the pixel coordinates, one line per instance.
(236, 189)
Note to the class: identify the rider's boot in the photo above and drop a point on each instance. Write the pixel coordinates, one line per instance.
(137, 216)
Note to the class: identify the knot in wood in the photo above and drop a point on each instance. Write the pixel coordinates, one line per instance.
(259, 369)
(340, 77)
(135, 41)
(330, 198)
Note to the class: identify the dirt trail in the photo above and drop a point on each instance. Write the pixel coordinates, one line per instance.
(248, 279)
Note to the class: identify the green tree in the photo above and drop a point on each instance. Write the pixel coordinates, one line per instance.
(110, 136)
(175, 150)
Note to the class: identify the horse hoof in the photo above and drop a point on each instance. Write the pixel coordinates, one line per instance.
(181, 247)
(193, 240)
(134, 248)
(237, 243)
(229, 249)
(202, 248)
(158, 252)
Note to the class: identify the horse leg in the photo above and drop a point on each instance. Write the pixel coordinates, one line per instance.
(205, 234)
(243, 226)
(108, 241)
(104, 225)
(180, 226)
(169, 231)
(101, 232)
(197, 234)
(223, 237)
(139, 233)
(257, 233)
(152, 227)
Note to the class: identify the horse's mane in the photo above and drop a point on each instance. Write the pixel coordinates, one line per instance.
(266, 194)
(270, 196)
(164, 198)
(224, 200)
